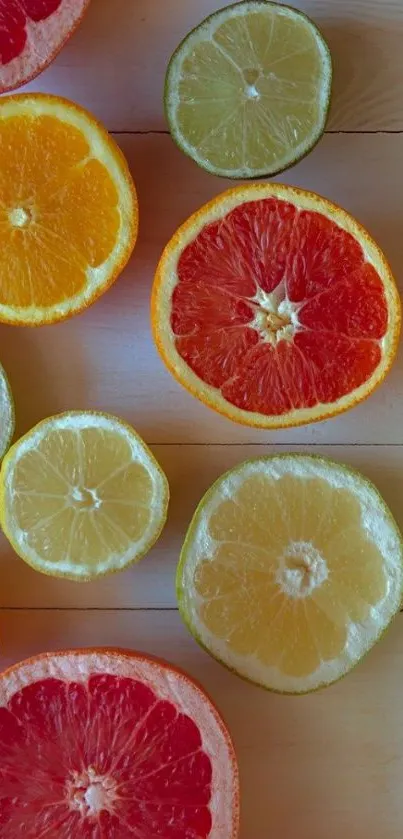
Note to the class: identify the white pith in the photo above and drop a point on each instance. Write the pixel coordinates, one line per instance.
(379, 528)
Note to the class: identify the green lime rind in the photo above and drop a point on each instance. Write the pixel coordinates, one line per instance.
(7, 414)
(182, 592)
(170, 94)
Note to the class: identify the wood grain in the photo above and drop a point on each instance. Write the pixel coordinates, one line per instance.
(115, 64)
(190, 470)
(325, 765)
(105, 359)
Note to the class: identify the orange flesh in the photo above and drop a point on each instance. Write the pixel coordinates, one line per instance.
(58, 211)
(293, 568)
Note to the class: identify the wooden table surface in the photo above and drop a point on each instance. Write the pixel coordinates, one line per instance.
(326, 765)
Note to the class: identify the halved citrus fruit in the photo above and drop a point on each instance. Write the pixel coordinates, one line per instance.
(106, 743)
(81, 495)
(291, 570)
(247, 92)
(68, 209)
(7, 417)
(275, 307)
(32, 33)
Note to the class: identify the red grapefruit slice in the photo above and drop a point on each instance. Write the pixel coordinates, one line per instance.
(32, 32)
(275, 307)
(106, 744)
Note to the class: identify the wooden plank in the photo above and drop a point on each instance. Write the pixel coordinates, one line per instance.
(327, 764)
(190, 470)
(105, 359)
(115, 64)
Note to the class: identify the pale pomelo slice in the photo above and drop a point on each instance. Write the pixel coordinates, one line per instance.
(107, 744)
(291, 570)
(7, 417)
(81, 495)
(275, 307)
(32, 33)
(247, 92)
(68, 209)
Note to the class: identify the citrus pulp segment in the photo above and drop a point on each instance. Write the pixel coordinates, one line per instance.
(32, 33)
(68, 209)
(275, 307)
(81, 495)
(107, 743)
(291, 570)
(6, 413)
(247, 92)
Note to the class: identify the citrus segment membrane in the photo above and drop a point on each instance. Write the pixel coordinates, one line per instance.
(67, 209)
(103, 743)
(6, 413)
(291, 570)
(32, 33)
(247, 92)
(82, 496)
(275, 307)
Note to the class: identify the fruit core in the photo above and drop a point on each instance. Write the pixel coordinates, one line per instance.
(84, 499)
(90, 793)
(20, 217)
(276, 317)
(302, 569)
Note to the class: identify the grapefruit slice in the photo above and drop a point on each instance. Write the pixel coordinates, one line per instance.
(7, 418)
(32, 33)
(291, 570)
(81, 495)
(107, 744)
(275, 307)
(247, 92)
(68, 209)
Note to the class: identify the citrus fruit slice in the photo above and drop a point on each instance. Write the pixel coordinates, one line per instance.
(247, 92)
(275, 307)
(68, 209)
(112, 744)
(6, 413)
(81, 495)
(32, 33)
(291, 569)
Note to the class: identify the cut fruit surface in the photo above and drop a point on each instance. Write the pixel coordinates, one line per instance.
(275, 307)
(107, 743)
(247, 92)
(32, 33)
(81, 495)
(68, 209)
(291, 570)
(7, 419)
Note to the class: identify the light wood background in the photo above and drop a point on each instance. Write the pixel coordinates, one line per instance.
(331, 764)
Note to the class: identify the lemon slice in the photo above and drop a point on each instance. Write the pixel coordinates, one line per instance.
(6, 413)
(81, 496)
(247, 92)
(291, 570)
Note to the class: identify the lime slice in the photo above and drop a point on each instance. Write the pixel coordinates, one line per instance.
(291, 570)
(6, 413)
(247, 92)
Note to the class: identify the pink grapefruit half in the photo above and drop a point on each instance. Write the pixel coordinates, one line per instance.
(107, 744)
(32, 32)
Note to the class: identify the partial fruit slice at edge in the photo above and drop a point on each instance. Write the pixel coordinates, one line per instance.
(247, 92)
(68, 209)
(291, 570)
(81, 495)
(32, 33)
(107, 742)
(7, 416)
(275, 307)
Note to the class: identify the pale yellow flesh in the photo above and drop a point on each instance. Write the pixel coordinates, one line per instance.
(79, 501)
(250, 92)
(287, 578)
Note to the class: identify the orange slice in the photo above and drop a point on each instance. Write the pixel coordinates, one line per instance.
(68, 209)
(275, 307)
(81, 495)
(291, 570)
